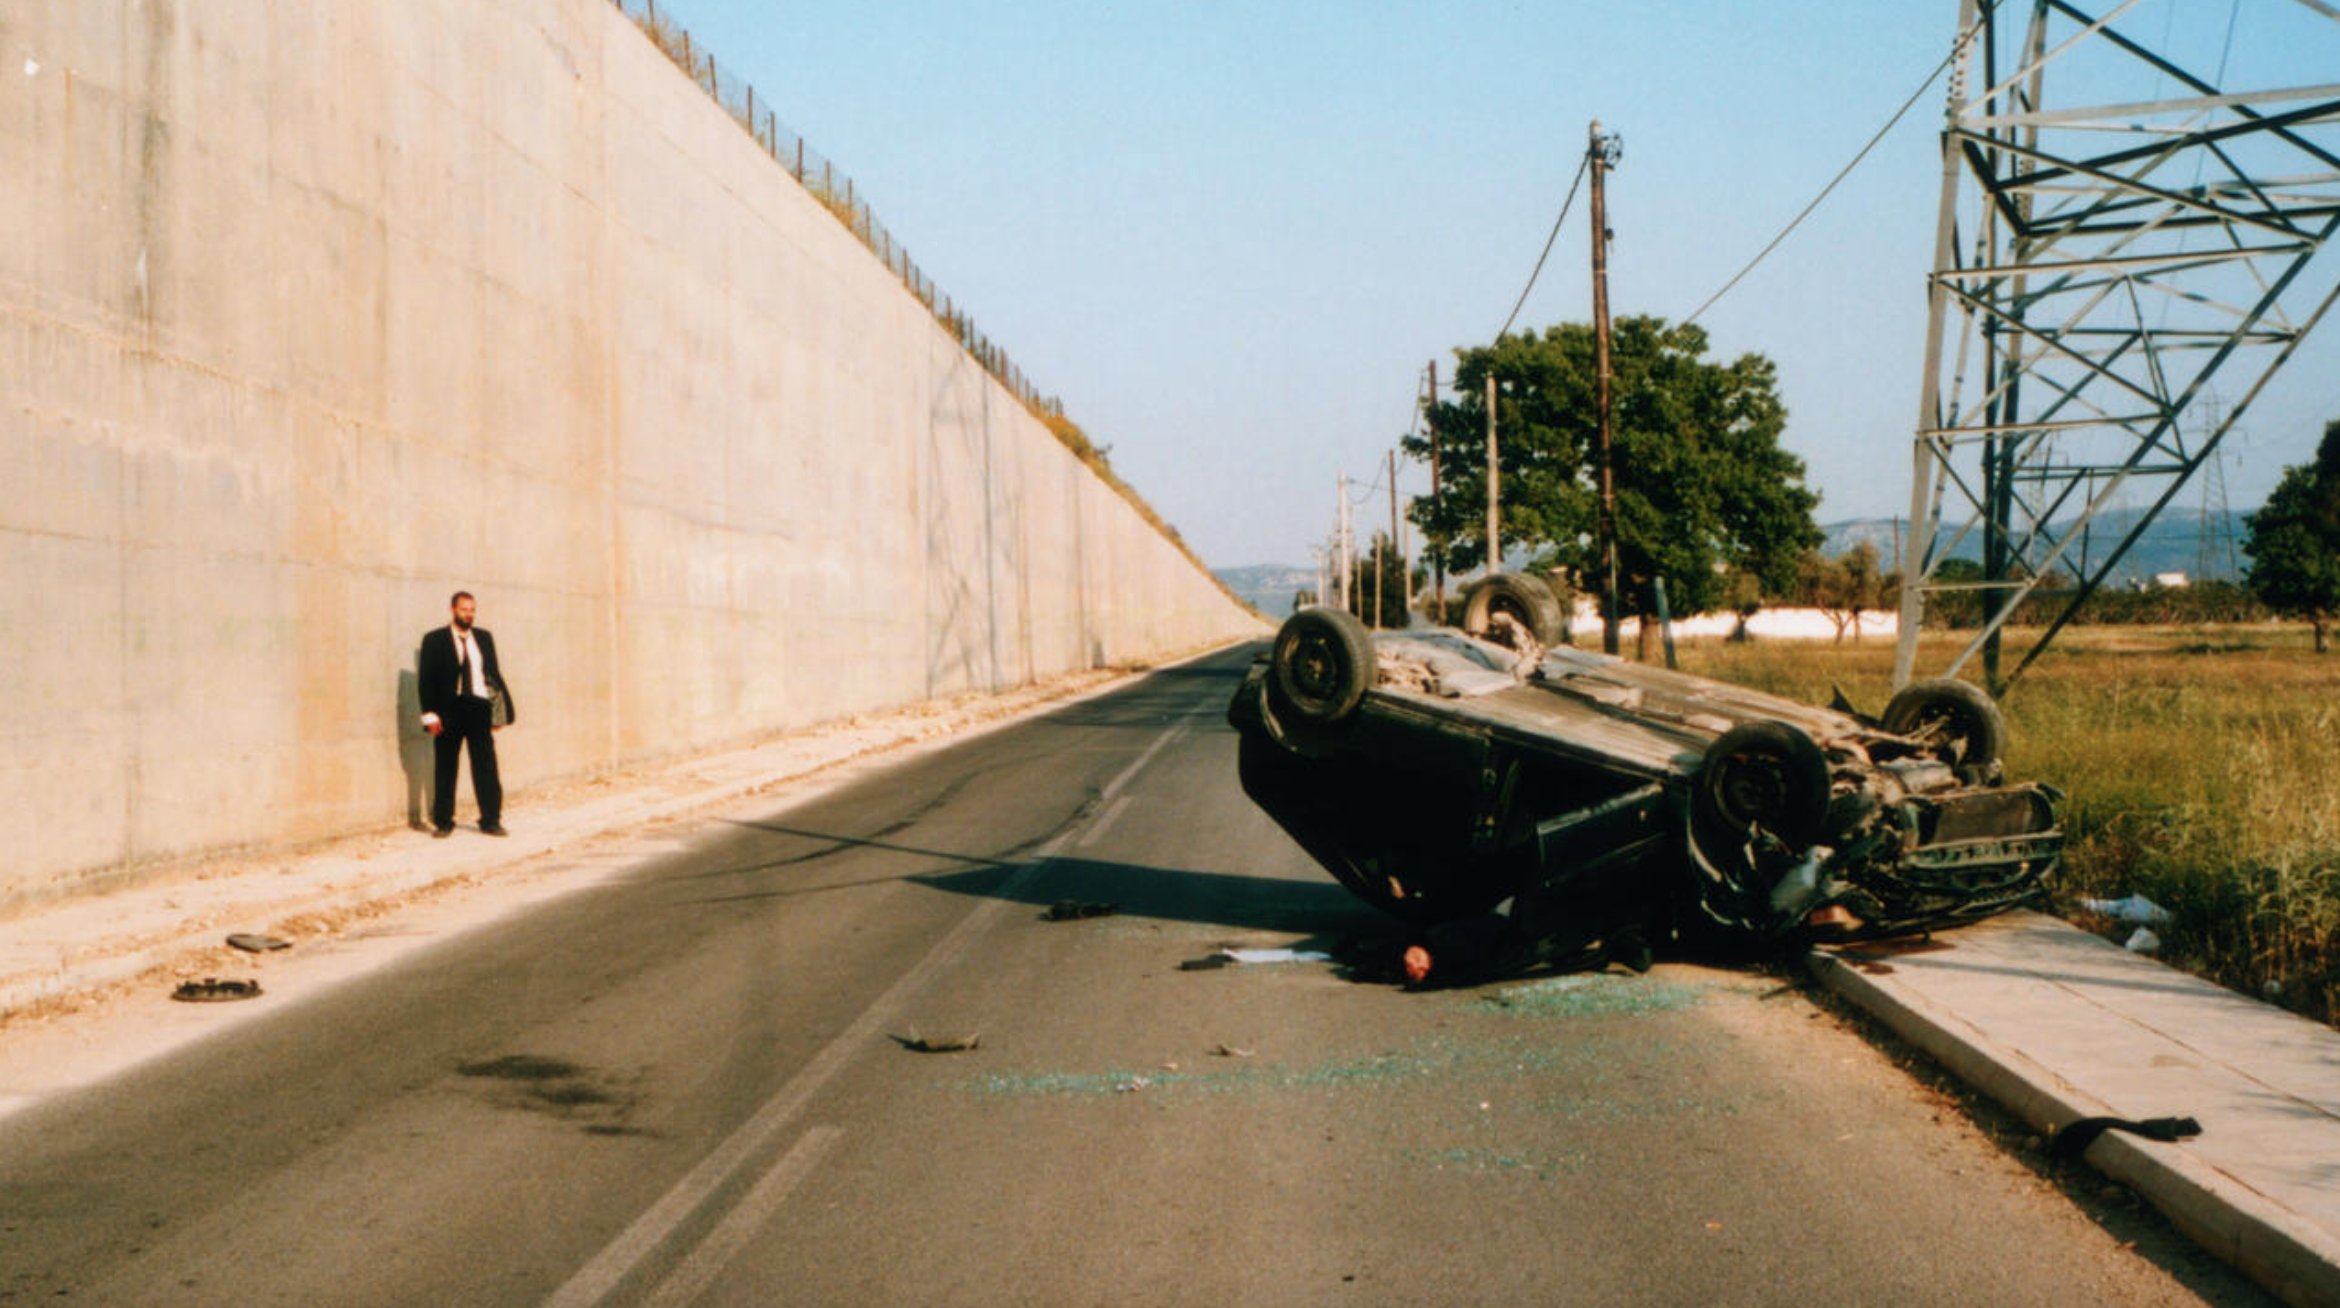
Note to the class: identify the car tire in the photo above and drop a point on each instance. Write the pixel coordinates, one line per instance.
(1527, 599)
(1323, 665)
(1765, 774)
(1958, 715)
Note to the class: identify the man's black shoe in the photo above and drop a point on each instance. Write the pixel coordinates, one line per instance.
(492, 829)
(441, 833)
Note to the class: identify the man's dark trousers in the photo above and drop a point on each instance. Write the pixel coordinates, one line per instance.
(466, 719)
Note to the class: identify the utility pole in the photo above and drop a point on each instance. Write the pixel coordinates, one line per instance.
(1405, 579)
(1341, 541)
(1601, 155)
(1494, 486)
(1438, 543)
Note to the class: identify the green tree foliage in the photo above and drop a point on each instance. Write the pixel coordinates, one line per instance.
(1844, 587)
(1394, 584)
(2294, 541)
(1703, 487)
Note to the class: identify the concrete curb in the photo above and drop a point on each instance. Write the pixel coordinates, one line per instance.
(2291, 1257)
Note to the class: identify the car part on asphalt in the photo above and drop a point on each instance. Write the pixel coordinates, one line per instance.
(2073, 1138)
(1602, 805)
(939, 1044)
(1072, 910)
(252, 944)
(211, 990)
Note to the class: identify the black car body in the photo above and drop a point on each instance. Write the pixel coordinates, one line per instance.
(1439, 775)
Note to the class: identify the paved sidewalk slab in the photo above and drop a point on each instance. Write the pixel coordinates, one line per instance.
(177, 922)
(2058, 1024)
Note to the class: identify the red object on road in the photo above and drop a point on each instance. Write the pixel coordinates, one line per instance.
(1417, 964)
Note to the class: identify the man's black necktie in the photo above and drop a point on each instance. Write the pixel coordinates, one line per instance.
(462, 668)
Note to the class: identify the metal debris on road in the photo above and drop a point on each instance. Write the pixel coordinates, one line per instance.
(1229, 1051)
(213, 990)
(1229, 955)
(1278, 955)
(1072, 910)
(938, 1044)
(253, 944)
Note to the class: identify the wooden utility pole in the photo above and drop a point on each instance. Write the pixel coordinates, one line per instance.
(1341, 546)
(1598, 160)
(1377, 582)
(1437, 542)
(1405, 578)
(1494, 486)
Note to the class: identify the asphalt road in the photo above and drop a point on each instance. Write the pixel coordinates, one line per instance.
(688, 1085)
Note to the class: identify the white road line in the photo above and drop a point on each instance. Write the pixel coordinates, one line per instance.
(596, 1279)
(1114, 786)
(691, 1278)
(1104, 822)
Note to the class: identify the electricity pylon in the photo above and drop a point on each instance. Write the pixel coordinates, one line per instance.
(2121, 219)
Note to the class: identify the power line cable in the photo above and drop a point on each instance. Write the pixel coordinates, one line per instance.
(1581, 164)
(1842, 173)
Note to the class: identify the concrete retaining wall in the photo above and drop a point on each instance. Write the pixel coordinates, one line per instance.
(311, 314)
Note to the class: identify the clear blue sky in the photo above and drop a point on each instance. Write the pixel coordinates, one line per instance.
(1230, 235)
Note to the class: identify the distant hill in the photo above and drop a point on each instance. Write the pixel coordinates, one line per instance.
(1268, 587)
(2204, 548)
(2175, 542)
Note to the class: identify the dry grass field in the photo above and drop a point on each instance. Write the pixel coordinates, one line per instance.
(2203, 769)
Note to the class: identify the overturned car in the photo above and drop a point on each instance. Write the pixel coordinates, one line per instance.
(1592, 806)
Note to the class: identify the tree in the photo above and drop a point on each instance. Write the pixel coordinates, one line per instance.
(2294, 541)
(1842, 587)
(1394, 588)
(1703, 487)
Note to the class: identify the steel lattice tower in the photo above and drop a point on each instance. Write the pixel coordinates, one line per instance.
(2117, 227)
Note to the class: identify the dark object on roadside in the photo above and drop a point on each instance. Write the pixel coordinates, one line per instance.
(2073, 1138)
(1207, 963)
(252, 944)
(1442, 776)
(1072, 910)
(938, 1044)
(211, 990)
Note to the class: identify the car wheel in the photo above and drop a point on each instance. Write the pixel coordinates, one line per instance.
(1527, 599)
(1768, 775)
(1323, 664)
(1955, 717)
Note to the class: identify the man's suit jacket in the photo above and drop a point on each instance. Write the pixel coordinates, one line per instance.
(435, 668)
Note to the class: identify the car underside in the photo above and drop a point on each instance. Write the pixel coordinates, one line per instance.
(1444, 776)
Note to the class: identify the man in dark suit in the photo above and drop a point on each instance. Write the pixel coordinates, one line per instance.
(456, 674)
